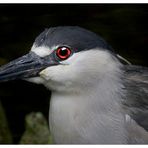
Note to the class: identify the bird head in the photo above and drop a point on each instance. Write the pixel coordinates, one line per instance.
(62, 58)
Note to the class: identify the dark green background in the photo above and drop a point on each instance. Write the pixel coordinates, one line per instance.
(125, 27)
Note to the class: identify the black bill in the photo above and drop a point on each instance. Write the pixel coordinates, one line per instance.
(26, 66)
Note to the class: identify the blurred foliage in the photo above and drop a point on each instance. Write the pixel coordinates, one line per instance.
(5, 136)
(123, 26)
(19, 98)
(37, 131)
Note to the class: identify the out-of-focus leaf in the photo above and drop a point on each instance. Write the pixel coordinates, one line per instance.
(37, 131)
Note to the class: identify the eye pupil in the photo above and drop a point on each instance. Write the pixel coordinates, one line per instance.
(63, 52)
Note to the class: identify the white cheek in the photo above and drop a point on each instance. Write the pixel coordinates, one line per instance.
(56, 73)
(89, 63)
(58, 78)
(82, 69)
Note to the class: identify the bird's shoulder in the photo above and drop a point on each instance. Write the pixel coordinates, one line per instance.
(136, 100)
(136, 73)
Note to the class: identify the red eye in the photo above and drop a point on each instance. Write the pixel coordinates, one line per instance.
(63, 53)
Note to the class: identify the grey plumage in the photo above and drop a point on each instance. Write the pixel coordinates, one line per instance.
(75, 37)
(136, 102)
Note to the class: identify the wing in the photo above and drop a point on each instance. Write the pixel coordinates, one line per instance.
(137, 73)
(136, 101)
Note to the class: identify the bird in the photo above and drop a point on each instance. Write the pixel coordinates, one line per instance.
(97, 96)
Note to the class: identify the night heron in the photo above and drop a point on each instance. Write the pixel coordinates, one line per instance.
(96, 99)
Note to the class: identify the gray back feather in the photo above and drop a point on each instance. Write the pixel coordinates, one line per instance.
(136, 101)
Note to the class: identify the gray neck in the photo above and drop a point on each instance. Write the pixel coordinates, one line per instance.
(92, 115)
